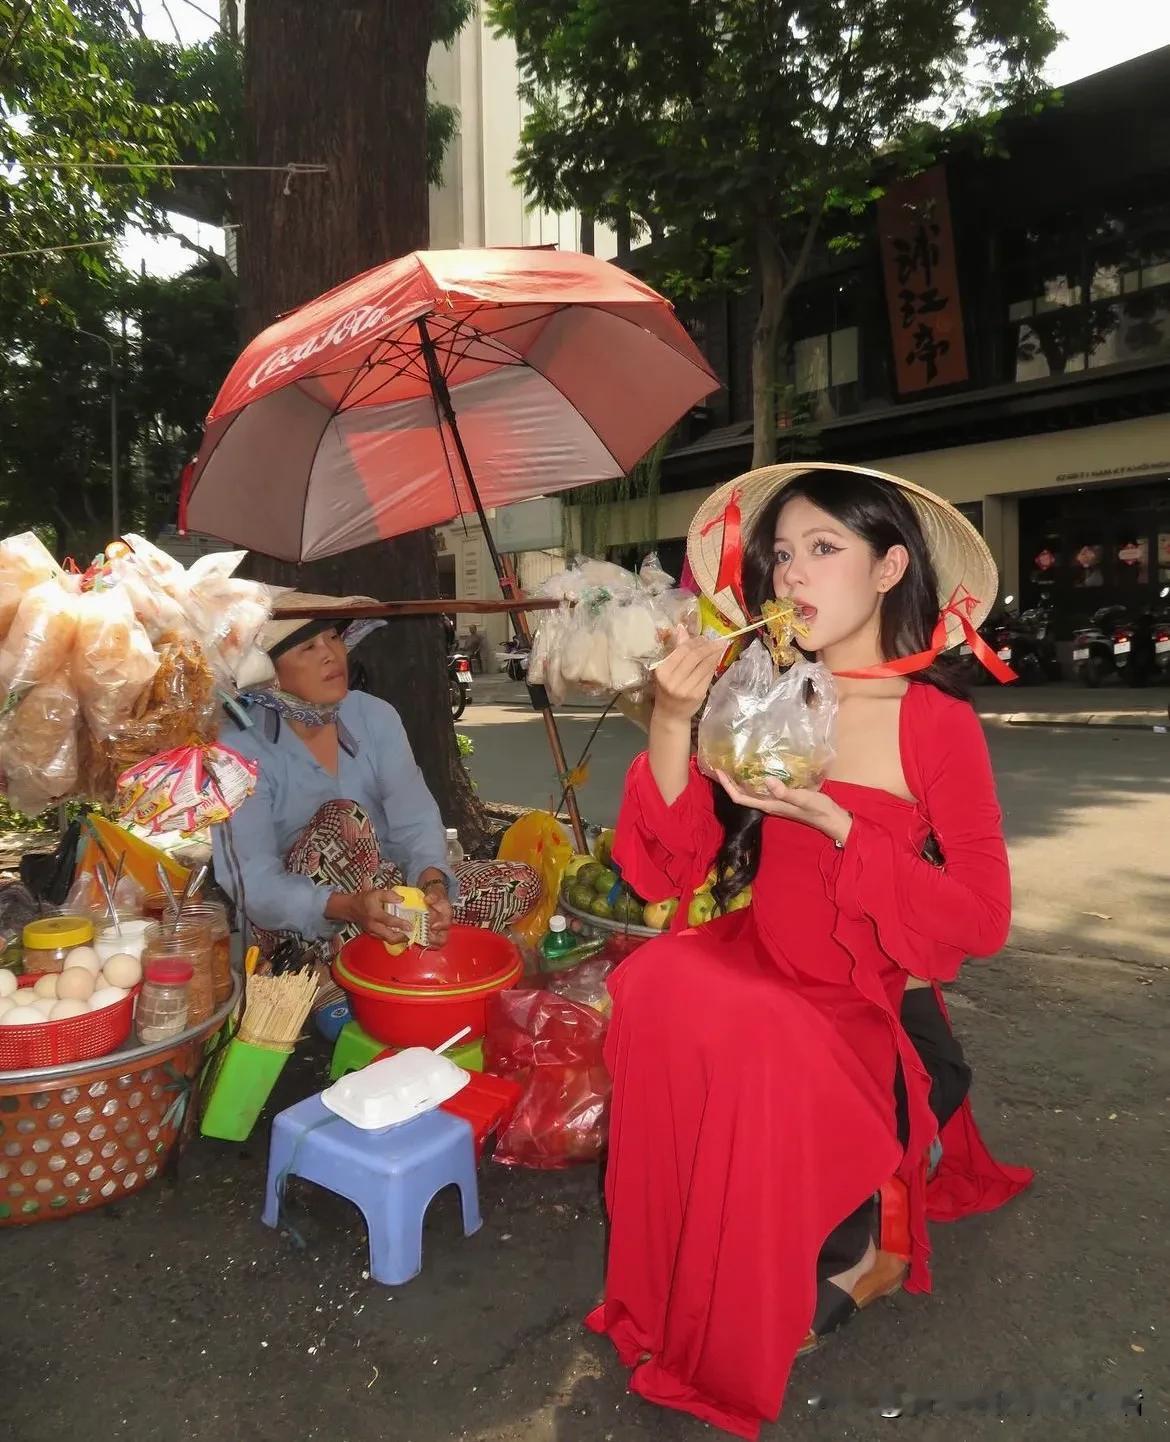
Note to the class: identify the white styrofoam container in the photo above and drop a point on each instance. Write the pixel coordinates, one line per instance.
(394, 1090)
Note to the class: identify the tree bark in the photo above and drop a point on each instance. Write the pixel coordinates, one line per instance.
(344, 84)
(765, 341)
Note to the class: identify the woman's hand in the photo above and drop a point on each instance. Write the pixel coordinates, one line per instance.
(813, 808)
(367, 911)
(682, 681)
(439, 909)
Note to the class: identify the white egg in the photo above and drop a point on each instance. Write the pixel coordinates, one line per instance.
(63, 1010)
(122, 970)
(7, 982)
(46, 985)
(6, 1004)
(84, 956)
(76, 983)
(45, 1004)
(106, 996)
(22, 1016)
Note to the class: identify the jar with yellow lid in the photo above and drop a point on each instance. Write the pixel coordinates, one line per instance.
(48, 942)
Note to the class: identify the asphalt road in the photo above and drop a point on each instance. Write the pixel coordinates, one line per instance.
(176, 1315)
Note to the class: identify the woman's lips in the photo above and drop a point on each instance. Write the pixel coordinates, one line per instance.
(806, 612)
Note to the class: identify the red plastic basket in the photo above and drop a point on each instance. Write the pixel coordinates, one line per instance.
(80, 1038)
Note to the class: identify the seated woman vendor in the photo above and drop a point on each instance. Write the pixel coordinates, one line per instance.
(341, 813)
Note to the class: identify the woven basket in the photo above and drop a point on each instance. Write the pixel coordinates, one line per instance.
(71, 1143)
(80, 1038)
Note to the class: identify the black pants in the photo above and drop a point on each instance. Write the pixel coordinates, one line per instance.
(950, 1080)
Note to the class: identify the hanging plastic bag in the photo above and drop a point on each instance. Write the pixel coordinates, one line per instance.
(553, 1047)
(24, 563)
(538, 840)
(41, 638)
(113, 661)
(38, 747)
(762, 725)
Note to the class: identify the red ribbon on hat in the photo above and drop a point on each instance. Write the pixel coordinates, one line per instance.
(961, 605)
(730, 573)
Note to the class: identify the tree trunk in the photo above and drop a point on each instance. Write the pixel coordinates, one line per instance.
(765, 343)
(344, 84)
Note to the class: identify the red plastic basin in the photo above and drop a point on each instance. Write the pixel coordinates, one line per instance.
(423, 997)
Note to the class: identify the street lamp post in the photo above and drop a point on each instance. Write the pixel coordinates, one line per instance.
(115, 499)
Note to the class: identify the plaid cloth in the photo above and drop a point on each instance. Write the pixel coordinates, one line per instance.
(339, 849)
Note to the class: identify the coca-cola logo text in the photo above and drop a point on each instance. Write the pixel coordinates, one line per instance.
(345, 328)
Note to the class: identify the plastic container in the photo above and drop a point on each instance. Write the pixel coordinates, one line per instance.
(558, 941)
(130, 939)
(428, 1010)
(57, 1043)
(241, 1084)
(455, 851)
(48, 942)
(163, 1004)
(389, 1092)
(214, 915)
(190, 942)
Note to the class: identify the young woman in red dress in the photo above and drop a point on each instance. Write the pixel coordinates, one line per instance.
(774, 1068)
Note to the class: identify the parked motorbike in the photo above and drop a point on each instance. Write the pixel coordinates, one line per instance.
(1162, 647)
(458, 682)
(1094, 658)
(514, 657)
(1022, 641)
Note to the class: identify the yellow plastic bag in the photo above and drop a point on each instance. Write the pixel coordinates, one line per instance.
(141, 859)
(539, 841)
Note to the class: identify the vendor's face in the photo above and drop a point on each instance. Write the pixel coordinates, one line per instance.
(317, 670)
(831, 573)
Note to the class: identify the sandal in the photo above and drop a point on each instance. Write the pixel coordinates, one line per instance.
(835, 1307)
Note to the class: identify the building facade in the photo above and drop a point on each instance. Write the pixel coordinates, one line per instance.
(1002, 336)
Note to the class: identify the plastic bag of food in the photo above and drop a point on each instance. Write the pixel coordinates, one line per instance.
(553, 1047)
(538, 840)
(41, 639)
(652, 578)
(762, 725)
(113, 660)
(156, 607)
(228, 614)
(24, 563)
(38, 747)
(586, 983)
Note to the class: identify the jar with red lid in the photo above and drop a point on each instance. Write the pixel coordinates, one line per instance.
(163, 1001)
(190, 942)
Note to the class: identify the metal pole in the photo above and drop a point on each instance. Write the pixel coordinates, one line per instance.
(537, 694)
(115, 499)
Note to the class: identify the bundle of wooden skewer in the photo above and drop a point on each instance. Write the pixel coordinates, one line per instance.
(276, 1007)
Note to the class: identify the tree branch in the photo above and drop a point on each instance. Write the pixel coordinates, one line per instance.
(213, 257)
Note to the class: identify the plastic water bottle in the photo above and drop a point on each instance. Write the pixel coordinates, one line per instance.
(455, 851)
(558, 941)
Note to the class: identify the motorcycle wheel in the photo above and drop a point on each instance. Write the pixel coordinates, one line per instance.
(1031, 671)
(458, 700)
(1093, 672)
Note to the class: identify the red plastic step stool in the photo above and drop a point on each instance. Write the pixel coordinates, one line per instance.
(486, 1102)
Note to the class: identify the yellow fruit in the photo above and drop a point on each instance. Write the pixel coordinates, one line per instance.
(659, 914)
(702, 909)
(603, 846)
(741, 900)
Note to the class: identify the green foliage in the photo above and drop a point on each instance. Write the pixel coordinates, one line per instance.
(757, 121)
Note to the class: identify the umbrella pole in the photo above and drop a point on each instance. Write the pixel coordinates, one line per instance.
(537, 694)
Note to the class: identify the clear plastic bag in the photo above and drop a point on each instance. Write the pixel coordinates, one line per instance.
(228, 613)
(41, 639)
(39, 747)
(113, 660)
(762, 725)
(24, 563)
(586, 984)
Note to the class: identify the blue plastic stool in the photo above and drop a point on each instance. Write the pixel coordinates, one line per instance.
(392, 1176)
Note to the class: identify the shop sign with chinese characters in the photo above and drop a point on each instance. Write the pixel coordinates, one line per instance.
(922, 285)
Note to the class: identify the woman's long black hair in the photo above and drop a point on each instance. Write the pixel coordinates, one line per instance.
(881, 515)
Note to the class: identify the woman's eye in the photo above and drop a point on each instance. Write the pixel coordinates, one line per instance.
(782, 558)
(825, 548)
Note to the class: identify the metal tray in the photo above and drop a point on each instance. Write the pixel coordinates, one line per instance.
(608, 928)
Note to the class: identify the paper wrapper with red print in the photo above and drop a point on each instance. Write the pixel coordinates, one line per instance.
(186, 789)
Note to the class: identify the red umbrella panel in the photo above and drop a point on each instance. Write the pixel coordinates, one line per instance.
(336, 426)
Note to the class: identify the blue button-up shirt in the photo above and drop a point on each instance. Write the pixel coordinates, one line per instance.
(376, 768)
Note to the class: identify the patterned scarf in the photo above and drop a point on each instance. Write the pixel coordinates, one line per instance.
(292, 708)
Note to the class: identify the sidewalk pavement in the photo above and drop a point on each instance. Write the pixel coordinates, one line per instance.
(1117, 707)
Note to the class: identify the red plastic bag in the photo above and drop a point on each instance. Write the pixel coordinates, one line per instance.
(552, 1047)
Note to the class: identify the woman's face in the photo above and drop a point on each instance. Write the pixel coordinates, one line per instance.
(317, 670)
(835, 579)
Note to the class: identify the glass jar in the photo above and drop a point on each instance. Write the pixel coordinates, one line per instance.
(164, 1001)
(213, 914)
(190, 942)
(127, 939)
(48, 942)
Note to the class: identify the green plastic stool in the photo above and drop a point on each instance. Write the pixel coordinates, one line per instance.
(356, 1048)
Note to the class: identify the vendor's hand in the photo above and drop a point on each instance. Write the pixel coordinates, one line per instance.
(440, 914)
(813, 808)
(367, 911)
(682, 681)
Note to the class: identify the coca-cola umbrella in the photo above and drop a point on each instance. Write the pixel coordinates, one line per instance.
(435, 386)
